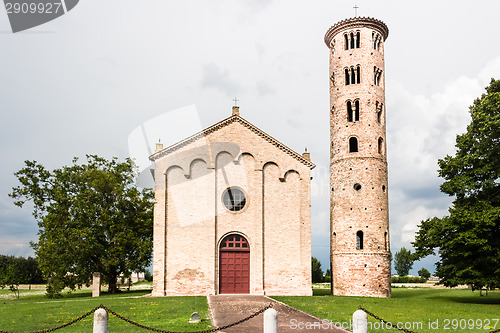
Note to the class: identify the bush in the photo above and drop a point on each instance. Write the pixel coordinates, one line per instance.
(148, 276)
(54, 287)
(424, 273)
(407, 279)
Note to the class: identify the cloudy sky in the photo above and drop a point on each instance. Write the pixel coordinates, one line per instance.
(82, 83)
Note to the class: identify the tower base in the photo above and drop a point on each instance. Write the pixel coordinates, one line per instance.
(361, 274)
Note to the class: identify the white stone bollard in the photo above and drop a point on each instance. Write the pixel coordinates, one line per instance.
(270, 321)
(100, 321)
(359, 322)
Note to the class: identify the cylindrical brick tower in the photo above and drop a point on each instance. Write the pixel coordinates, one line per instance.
(359, 218)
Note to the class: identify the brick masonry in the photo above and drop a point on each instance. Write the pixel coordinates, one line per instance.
(190, 219)
(366, 271)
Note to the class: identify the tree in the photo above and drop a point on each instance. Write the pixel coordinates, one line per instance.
(423, 272)
(33, 273)
(468, 238)
(328, 276)
(11, 274)
(18, 270)
(91, 218)
(316, 271)
(403, 261)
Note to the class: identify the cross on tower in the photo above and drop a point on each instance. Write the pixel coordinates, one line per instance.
(235, 100)
(355, 10)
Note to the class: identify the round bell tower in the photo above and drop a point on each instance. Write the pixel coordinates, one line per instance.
(359, 217)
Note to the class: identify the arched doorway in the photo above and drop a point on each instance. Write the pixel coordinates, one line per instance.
(234, 265)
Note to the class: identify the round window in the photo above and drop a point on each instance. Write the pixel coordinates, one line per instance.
(234, 199)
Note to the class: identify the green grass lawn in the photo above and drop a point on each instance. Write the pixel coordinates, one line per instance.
(36, 312)
(418, 308)
(422, 310)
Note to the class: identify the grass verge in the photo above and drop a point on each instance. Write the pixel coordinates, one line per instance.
(422, 310)
(37, 312)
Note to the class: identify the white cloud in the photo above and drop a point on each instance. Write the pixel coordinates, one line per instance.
(421, 130)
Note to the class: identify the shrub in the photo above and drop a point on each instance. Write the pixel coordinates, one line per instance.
(407, 279)
(148, 276)
(424, 273)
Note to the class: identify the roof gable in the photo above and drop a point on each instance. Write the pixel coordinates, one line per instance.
(224, 123)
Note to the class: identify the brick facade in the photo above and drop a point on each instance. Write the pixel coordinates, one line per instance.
(190, 218)
(359, 217)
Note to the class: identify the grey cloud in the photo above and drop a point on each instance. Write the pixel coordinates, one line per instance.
(264, 88)
(216, 78)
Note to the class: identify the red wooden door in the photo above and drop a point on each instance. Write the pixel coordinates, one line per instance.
(234, 277)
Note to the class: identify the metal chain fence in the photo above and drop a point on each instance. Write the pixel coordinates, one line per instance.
(395, 326)
(65, 325)
(384, 321)
(215, 329)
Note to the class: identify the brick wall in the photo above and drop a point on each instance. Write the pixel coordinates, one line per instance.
(189, 184)
(359, 189)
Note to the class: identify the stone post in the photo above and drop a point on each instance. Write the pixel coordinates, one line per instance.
(96, 285)
(100, 321)
(359, 322)
(270, 321)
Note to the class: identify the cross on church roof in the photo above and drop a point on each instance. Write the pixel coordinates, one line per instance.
(235, 100)
(355, 10)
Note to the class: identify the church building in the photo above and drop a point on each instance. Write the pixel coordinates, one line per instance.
(232, 214)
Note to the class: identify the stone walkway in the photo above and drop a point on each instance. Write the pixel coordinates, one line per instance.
(227, 309)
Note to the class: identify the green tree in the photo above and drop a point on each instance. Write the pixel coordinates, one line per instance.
(33, 273)
(423, 272)
(91, 218)
(468, 238)
(328, 276)
(316, 271)
(403, 261)
(17, 270)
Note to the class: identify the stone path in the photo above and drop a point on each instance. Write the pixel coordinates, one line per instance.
(227, 309)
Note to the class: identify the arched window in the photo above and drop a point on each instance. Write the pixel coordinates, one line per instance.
(234, 242)
(349, 112)
(358, 40)
(377, 75)
(353, 145)
(356, 111)
(332, 78)
(380, 145)
(334, 241)
(353, 76)
(359, 240)
(346, 42)
(385, 240)
(376, 41)
(352, 40)
(378, 109)
(347, 77)
(358, 76)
